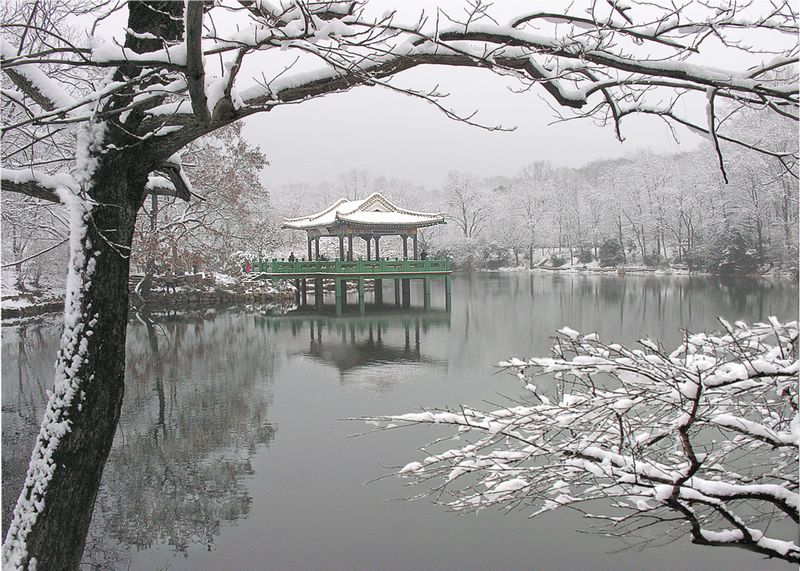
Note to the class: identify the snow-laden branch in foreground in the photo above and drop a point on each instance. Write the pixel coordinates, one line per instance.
(708, 433)
(37, 184)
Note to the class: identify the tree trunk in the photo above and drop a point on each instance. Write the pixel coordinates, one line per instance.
(760, 237)
(152, 247)
(17, 250)
(53, 513)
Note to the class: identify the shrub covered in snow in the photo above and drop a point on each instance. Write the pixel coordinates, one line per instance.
(611, 253)
(585, 256)
(474, 253)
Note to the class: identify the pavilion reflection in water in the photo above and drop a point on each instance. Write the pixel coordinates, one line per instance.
(382, 337)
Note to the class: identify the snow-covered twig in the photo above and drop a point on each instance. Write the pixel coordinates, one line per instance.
(709, 431)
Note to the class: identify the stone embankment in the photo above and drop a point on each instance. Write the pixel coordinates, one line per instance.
(190, 291)
(31, 309)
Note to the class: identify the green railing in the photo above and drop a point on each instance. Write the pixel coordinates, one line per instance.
(356, 267)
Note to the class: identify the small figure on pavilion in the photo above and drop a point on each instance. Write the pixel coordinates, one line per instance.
(423, 255)
(169, 279)
(292, 257)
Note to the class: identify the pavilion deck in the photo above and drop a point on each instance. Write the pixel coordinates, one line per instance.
(343, 271)
(353, 268)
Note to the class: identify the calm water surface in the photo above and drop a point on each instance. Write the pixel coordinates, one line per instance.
(232, 452)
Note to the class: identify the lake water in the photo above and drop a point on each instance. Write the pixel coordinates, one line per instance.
(233, 452)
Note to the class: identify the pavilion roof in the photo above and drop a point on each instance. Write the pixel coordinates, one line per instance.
(376, 210)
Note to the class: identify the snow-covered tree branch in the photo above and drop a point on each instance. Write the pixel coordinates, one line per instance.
(699, 441)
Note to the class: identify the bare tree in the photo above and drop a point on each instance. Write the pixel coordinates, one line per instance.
(229, 212)
(699, 441)
(467, 203)
(35, 232)
(356, 184)
(115, 116)
(535, 185)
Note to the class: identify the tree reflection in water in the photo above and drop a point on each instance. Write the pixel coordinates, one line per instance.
(26, 377)
(195, 412)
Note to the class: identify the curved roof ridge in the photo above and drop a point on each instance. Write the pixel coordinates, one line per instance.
(359, 212)
(377, 195)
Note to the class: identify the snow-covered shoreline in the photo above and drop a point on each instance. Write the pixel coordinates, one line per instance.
(227, 290)
(632, 271)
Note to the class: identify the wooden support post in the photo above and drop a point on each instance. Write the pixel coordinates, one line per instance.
(448, 297)
(405, 246)
(426, 293)
(406, 292)
(304, 290)
(368, 240)
(377, 248)
(378, 292)
(297, 292)
(341, 247)
(416, 250)
(316, 247)
(397, 292)
(350, 247)
(338, 289)
(318, 292)
(309, 248)
(361, 305)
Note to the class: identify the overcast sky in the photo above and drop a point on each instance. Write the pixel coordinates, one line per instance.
(403, 137)
(400, 137)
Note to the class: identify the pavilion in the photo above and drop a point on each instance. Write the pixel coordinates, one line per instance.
(369, 219)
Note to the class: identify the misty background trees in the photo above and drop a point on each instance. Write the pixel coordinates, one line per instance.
(645, 209)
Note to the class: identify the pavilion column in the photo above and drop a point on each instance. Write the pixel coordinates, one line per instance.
(341, 247)
(309, 248)
(378, 282)
(405, 282)
(350, 247)
(369, 255)
(416, 251)
(316, 247)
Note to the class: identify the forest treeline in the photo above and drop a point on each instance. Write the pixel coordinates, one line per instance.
(645, 209)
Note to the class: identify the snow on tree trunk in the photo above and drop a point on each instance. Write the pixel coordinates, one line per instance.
(54, 509)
